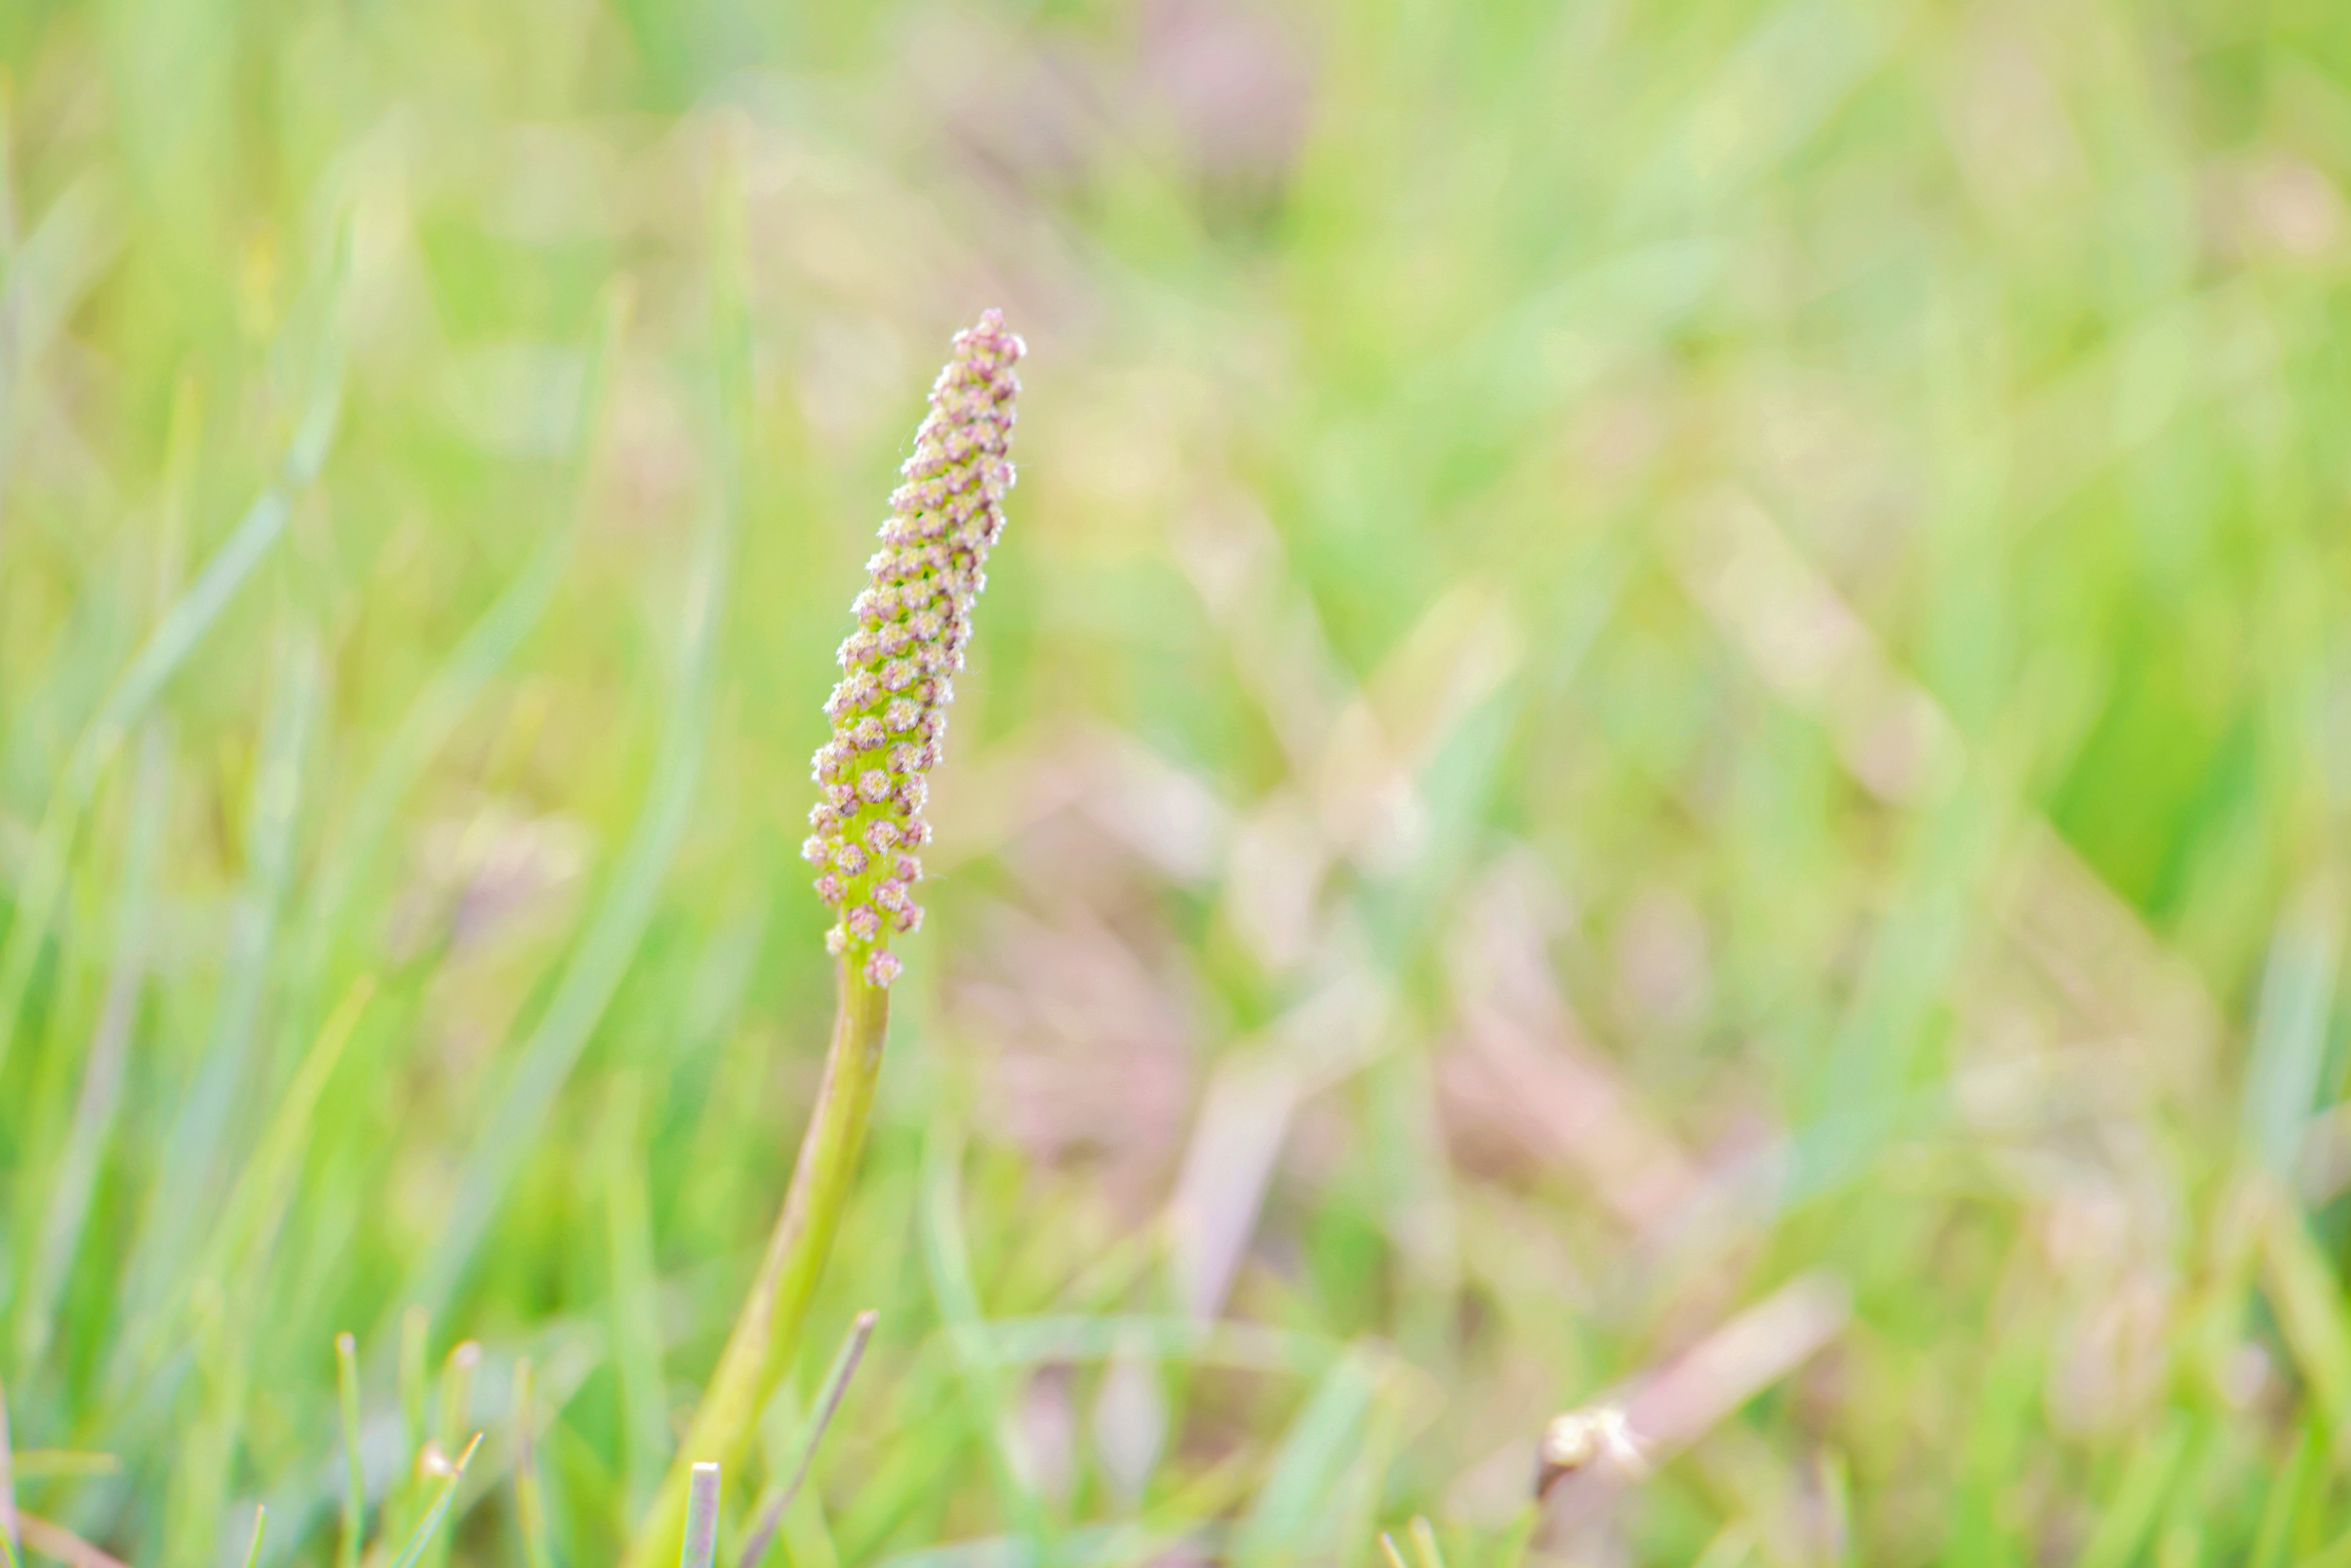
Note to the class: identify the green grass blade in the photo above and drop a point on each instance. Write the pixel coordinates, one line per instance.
(411, 1553)
(1424, 1541)
(1311, 1464)
(2272, 1539)
(412, 1379)
(267, 1183)
(2289, 1045)
(622, 911)
(44, 878)
(190, 1170)
(530, 1501)
(346, 1389)
(453, 1406)
(98, 1101)
(1511, 1549)
(77, 1463)
(2123, 1524)
(2337, 1553)
(406, 1495)
(1734, 1545)
(647, 1437)
(253, 1547)
(947, 1260)
(770, 1514)
(7, 1484)
(176, 636)
(486, 649)
(2300, 1285)
(454, 1401)
(44, 276)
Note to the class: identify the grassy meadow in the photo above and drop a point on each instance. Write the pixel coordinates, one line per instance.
(1664, 721)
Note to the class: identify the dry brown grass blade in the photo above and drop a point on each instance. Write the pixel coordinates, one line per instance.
(1673, 1406)
(56, 1540)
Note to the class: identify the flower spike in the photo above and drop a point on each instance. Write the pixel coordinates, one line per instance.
(913, 624)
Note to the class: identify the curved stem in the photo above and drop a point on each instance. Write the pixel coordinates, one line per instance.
(768, 1328)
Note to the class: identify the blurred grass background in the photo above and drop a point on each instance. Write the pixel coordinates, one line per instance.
(1663, 718)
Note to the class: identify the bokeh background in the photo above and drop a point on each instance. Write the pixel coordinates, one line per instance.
(1663, 720)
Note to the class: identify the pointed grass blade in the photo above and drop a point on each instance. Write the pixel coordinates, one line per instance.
(347, 1388)
(530, 1504)
(701, 1547)
(7, 1485)
(58, 1542)
(836, 1384)
(411, 1553)
(1424, 1541)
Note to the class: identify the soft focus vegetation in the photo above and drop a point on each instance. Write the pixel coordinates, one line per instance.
(1665, 719)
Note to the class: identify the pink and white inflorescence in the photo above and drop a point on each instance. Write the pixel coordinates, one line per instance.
(914, 619)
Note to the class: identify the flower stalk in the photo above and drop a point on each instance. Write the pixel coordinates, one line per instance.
(889, 718)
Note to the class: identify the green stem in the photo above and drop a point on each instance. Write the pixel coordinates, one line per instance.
(767, 1329)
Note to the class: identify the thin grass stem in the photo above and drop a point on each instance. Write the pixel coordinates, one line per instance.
(530, 1502)
(414, 1550)
(767, 1330)
(700, 1549)
(347, 1388)
(7, 1487)
(836, 1384)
